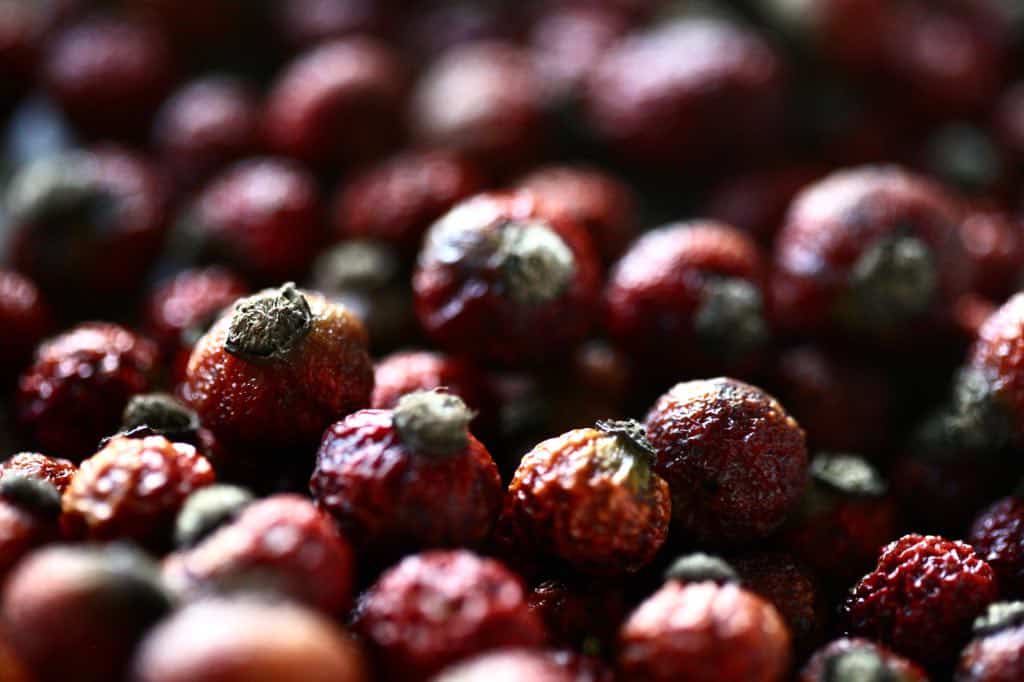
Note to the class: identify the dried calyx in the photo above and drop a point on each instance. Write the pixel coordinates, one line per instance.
(730, 320)
(848, 474)
(269, 325)
(999, 616)
(536, 264)
(631, 456)
(30, 493)
(206, 510)
(861, 664)
(699, 567)
(893, 281)
(433, 422)
(159, 414)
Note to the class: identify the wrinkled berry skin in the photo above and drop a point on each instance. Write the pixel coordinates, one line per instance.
(993, 657)
(245, 640)
(508, 665)
(181, 309)
(25, 318)
(420, 370)
(484, 99)
(570, 491)
(922, 597)
(817, 668)
(90, 604)
(206, 125)
(338, 103)
(664, 287)
(389, 498)
(833, 228)
(396, 200)
(602, 203)
(132, 489)
(281, 543)
(57, 472)
(439, 607)
(73, 395)
(756, 202)
(997, 536)
(998, 354)
(710, 88)
(109, 75)
(463, 302)
(735, 461)
(582, 614)
(262, 216)
(277, 406)
(703, 631)
(72, 211)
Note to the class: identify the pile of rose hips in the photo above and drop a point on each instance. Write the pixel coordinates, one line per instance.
(540, 341)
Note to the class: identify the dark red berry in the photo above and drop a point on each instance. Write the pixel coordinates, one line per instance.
(396, 200)
(570, 492)
(921, 597)
(996, 654)
(57, 472)
(25, 318)
(74, 393)
(508, 665)
(340, 102)
(735, 461)
(281, 544)
(756, 202)
(997, 535)
(583, 614)
(306, 23)
(996, 362)
(495, 269)
(434, 609)
(994, 241)
(29, 511)
(420, 370)
(243, 640)
(858, 660)
(408, 478)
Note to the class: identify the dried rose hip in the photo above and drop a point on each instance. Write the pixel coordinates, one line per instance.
(396, 200)
(132, 489)
(25, 318)
(55, 471)
(602, 203)
(77, 612)
(74, 393)
(857, 660)
(408, 478)
(243, 640)
(207, 124)
(281, 544)
(339, 102)
(847, 515)
(921, 597)
(589, 498)
(494, 270)
(756, 201)
(71, 211)
(29, 511)
(997, 536)
(508, 665)
(583, 614)
(261, 216)
(710, 88)
(695, 628)
(736, 463)
(109, 74)
(439, 607)
(874, 251)
(485, 99)
(303, 362)
(689, 296)
(996, 654)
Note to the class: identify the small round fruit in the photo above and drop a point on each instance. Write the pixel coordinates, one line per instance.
(420, 370)
(507, 665)
(25, 318)
(857, 660)
(996, 654)
(582, 614)
(997, 535)
(29, 511)
(57, 472)
(996, 362)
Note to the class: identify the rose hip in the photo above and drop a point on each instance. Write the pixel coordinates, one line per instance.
(996, 654)
(855, 659)
(420, 370)
(29, 511)
(508, 665)
(55, 471)
(997, 535)
(25, 318)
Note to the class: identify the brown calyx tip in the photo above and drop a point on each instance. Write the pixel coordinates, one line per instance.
(860, 664)
(893, 281)
(730, 320)
(999, 616)
(631, 434)
(699, 567)
(159, 414)
(433, 422)
(536, 263)
(848, 474)
(269, 325)
(30, 493)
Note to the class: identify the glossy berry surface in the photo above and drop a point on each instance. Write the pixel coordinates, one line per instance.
(995, 653)
(848, 659)
(507, 666)
(998, 357)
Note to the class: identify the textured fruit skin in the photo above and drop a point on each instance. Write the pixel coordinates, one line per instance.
(508, 665)
(388, 498)
(580, 614)
(703, 631)
(247, 641)
(73, 395)
(835, 220)
(439, 607)
(484, 99)
(997, 536)
(711, 88)
(602, 203)
(655, 290)
(998, 657)
(25, 318)
(21, 531)
(582, 499)
(281, 405)
(756, 201)
(132, 489)
(340, 102)
(204, 126)
(998, 353)
(396, 200)
(459, 296)
(422, 370)
(902, 669)
(261, 216)
(922, 597)
(735, 462)
(109, 75)
(55, 471)
(282, 543)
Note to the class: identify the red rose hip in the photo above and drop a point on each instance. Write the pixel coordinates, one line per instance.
(996, 654)
(25, 318)
(856, 659)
